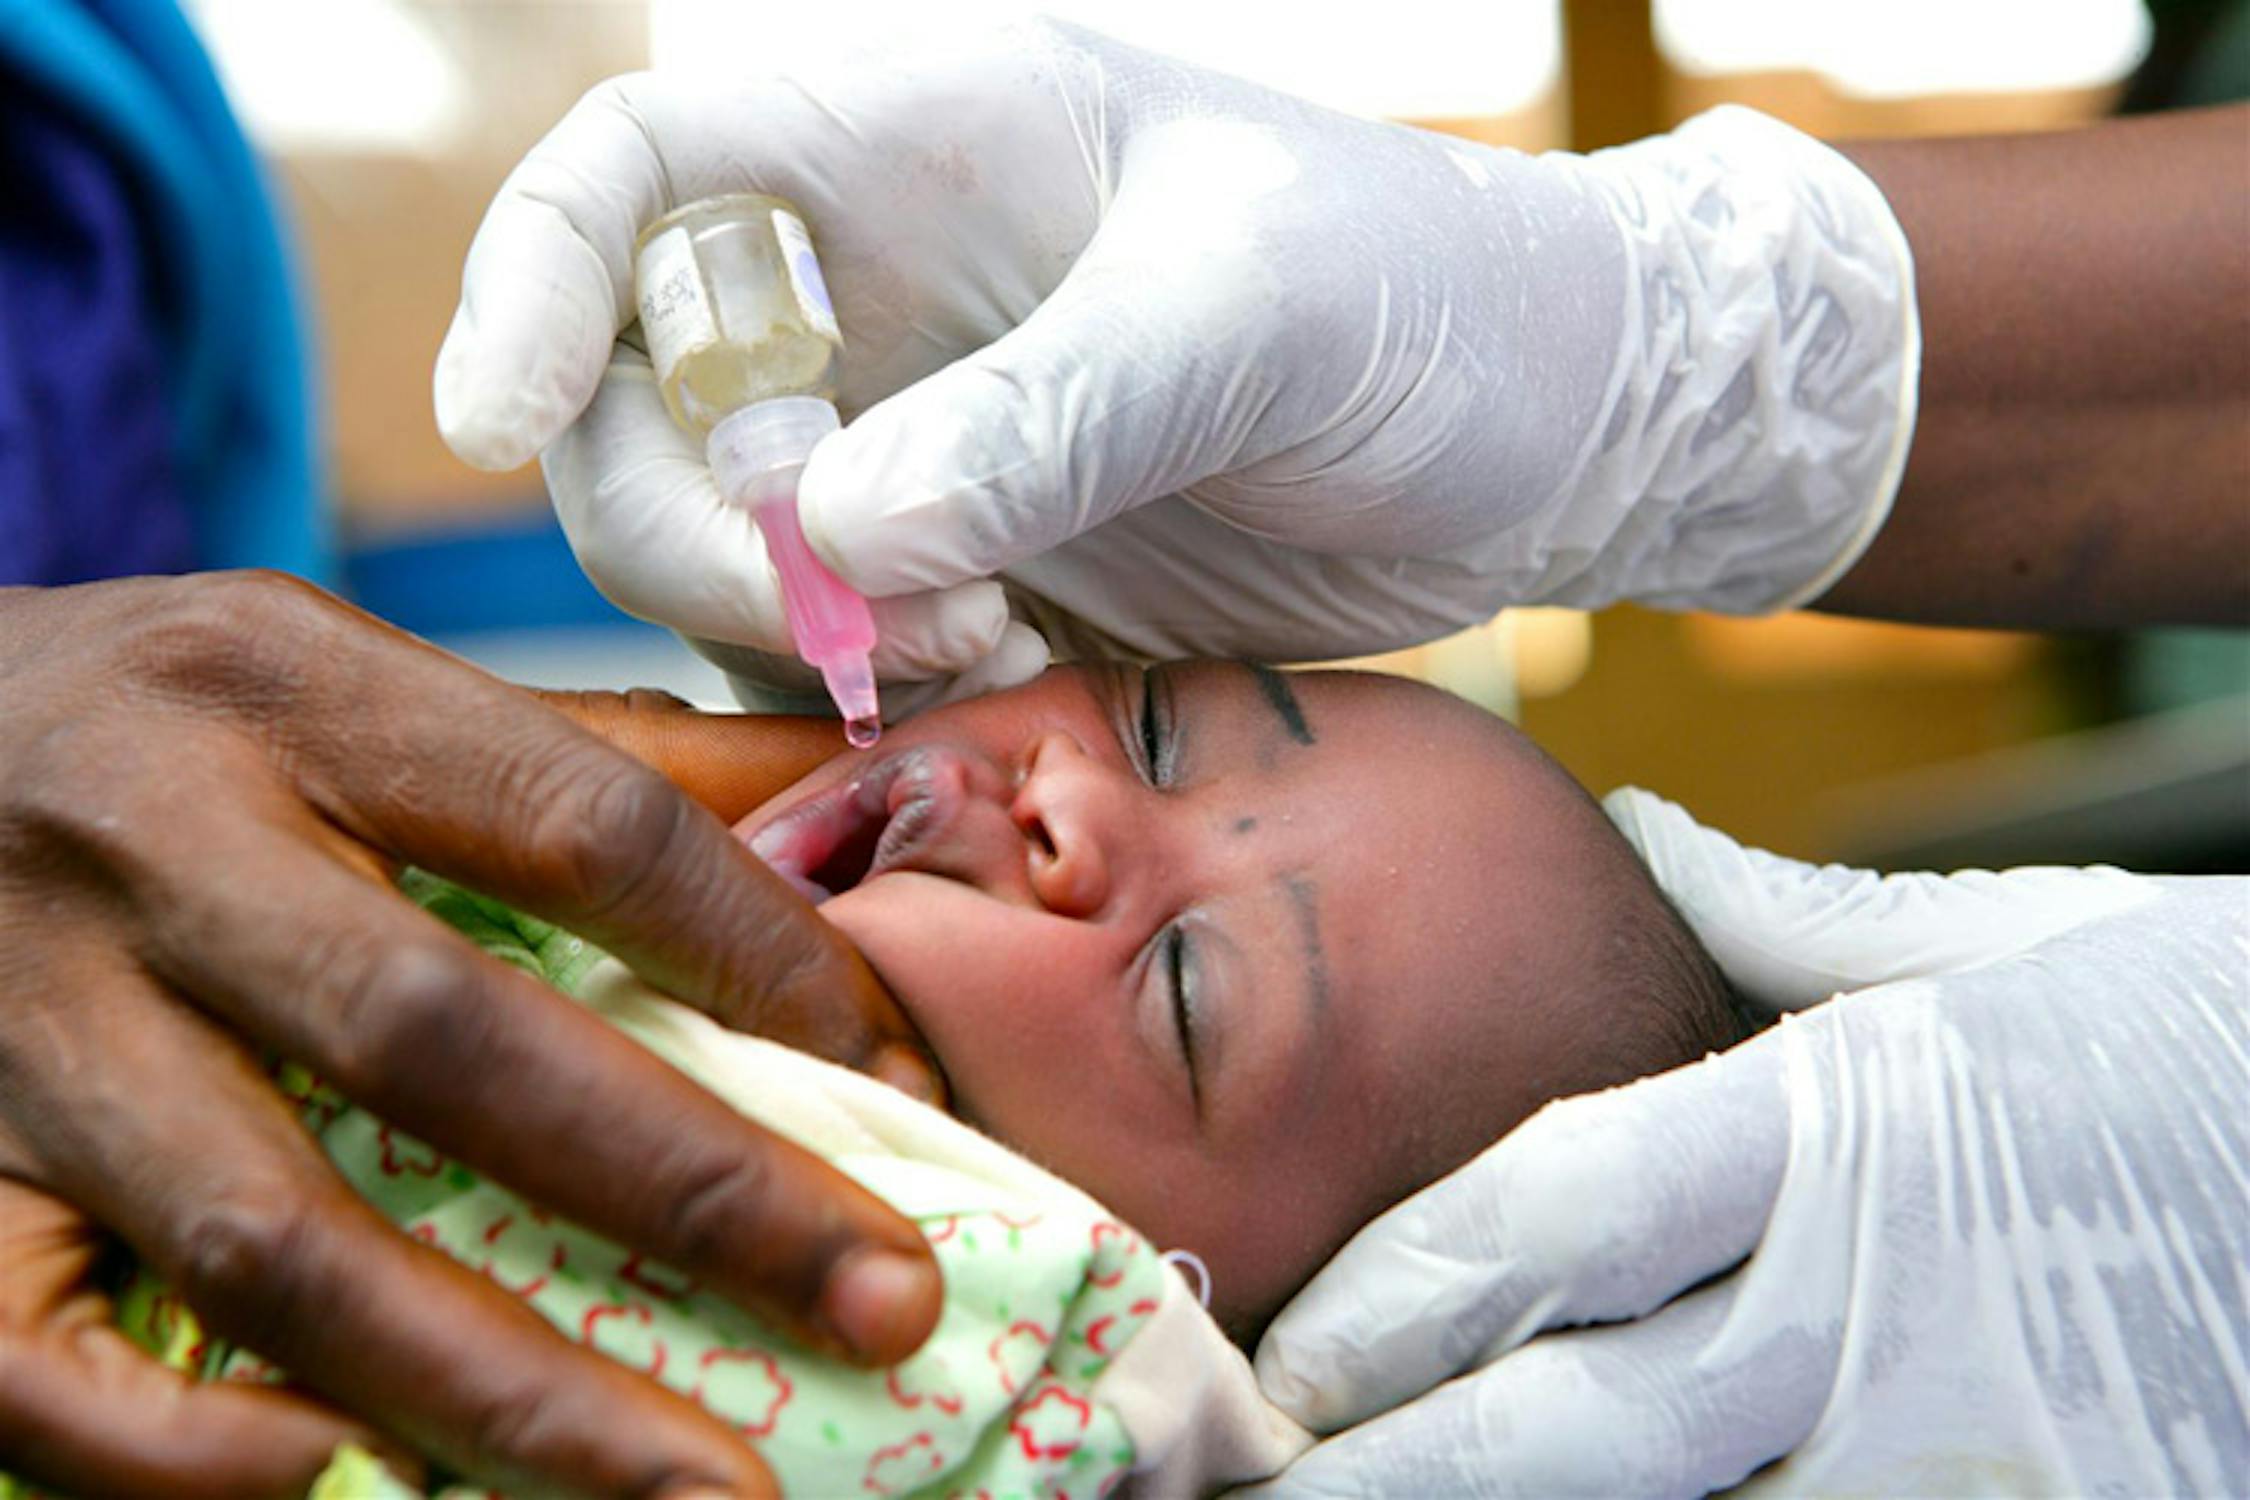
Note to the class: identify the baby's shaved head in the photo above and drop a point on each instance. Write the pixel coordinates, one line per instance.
(1617, 987)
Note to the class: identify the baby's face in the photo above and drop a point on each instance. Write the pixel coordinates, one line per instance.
(1247, 956)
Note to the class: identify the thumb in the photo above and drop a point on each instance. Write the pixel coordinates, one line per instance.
(1596, 1208)
(1132, 380)
(1623, 1410)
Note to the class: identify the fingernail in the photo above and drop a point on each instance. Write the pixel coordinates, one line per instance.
(881, 1303)
(905, 1069)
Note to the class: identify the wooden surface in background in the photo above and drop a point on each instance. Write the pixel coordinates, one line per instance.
(1615, 78)
(382, 237)
(1818, 107)
(1771, 758)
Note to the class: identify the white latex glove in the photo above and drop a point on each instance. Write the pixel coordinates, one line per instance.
(1993, 1206)
(1199, 367)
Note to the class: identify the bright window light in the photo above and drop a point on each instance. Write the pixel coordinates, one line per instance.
(339, 75)
(1411, 59)
(1892, 49)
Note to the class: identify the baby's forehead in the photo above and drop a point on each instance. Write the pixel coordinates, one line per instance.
(1385, 749)
(1468, 877)
(1361, 718)
(1404, 718)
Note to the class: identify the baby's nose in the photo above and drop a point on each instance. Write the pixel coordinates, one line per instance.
(1064, 812)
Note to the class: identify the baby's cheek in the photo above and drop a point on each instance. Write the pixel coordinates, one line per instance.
(1292, 1204)
(1019, 1064)
(1006, 1006)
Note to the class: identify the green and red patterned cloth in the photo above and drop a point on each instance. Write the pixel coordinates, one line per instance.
(1015, 1394)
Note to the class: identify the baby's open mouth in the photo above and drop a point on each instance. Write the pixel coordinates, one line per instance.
(877, 821)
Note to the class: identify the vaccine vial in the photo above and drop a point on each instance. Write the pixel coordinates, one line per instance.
(745, 346)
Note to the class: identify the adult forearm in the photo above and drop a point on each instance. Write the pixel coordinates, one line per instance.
(2082, 455)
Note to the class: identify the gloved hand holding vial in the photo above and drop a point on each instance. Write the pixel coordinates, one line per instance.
(1193, 367)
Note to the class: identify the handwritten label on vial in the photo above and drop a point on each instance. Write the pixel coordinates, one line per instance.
(676, 311)
(804, 274)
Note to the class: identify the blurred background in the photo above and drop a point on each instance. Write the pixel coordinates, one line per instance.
(389, 123)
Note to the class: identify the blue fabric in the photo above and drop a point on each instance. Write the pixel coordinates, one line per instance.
(517, 574)
(124, 85)
(88, 487)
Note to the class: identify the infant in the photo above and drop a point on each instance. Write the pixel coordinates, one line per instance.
(1248, 956)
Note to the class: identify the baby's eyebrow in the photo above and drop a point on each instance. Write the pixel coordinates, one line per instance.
(1282, 699)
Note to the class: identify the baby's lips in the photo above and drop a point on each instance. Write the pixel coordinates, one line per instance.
(886, 817)
(795, 843)
(798, 883)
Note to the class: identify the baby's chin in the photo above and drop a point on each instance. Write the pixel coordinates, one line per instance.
(871, 913)
(887, 919)
(900, 921)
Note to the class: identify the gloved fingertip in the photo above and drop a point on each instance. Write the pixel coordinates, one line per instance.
(481, 433)
(1020, 656)
(482, 446)
(1294, 1396)
(926, 635)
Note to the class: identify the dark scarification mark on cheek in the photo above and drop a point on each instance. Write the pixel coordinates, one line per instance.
(1275, 689)
(1304, 902)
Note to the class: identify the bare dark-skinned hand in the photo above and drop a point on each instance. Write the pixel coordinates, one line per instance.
(205, 784)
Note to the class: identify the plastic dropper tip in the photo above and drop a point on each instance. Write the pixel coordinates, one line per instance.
(851, 686)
